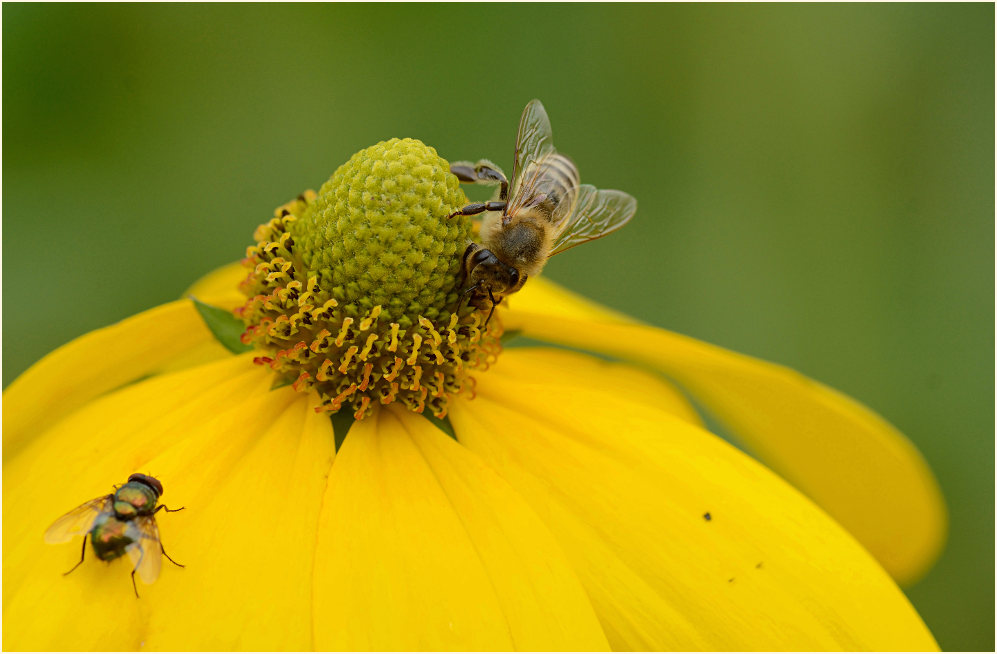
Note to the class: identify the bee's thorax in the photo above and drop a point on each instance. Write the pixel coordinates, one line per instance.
(522, 244)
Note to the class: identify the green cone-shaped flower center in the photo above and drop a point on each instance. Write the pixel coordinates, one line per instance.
(355, 292)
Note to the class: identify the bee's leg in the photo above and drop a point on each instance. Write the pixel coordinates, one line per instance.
(83, 555)
(491, 310)
(479, 207)
(168, 510)
(486, 172)
(483, 172)
(163, 550)
(465, 172)
(466, 294)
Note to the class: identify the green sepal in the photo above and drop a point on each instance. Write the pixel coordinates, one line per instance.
(341, 423)
(509, 335)
(443, 424)
(225, 327)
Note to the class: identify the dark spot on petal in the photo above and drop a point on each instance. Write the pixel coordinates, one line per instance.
(707, 516)
(731, 580)
(758, 566)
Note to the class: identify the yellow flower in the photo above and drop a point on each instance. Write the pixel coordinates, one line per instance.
(578, 504)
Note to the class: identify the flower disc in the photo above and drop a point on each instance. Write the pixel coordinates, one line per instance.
(355, 291)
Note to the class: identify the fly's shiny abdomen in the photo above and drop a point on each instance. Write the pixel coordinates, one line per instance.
(111, 537)
(549, 188)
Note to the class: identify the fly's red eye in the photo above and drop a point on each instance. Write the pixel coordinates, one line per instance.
(151, 482)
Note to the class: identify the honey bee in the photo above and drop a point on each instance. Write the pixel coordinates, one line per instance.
(544, 211)
(121, 522)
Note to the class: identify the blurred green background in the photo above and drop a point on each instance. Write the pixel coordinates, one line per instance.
(816, 181)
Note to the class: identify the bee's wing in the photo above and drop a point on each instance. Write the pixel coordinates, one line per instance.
(78, 521)
(533, 142)
(595, 214)
(526, 189)
(145, 552)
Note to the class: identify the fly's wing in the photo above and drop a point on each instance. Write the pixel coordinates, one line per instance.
(78, 521)
(145, 550)
(533, 142)
(596, 213)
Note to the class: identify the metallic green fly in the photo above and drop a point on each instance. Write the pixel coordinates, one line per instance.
(121, 522)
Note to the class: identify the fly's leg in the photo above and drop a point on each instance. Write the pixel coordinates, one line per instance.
(83, 555)
(163, 550)
(168, 510)
(137, 564)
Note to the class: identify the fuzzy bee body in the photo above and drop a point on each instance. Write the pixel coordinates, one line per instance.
(544, 211)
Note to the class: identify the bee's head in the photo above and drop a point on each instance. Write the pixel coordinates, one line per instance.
(151, 482)
(485, 271)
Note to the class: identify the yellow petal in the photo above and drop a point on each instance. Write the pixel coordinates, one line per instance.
(627, 381)
(252, 482)
(236, 455)
(112, 437)
(849, 460)
(543, 296)
(423, 547)
(625, 489)
(220, 287)
(102, 360)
